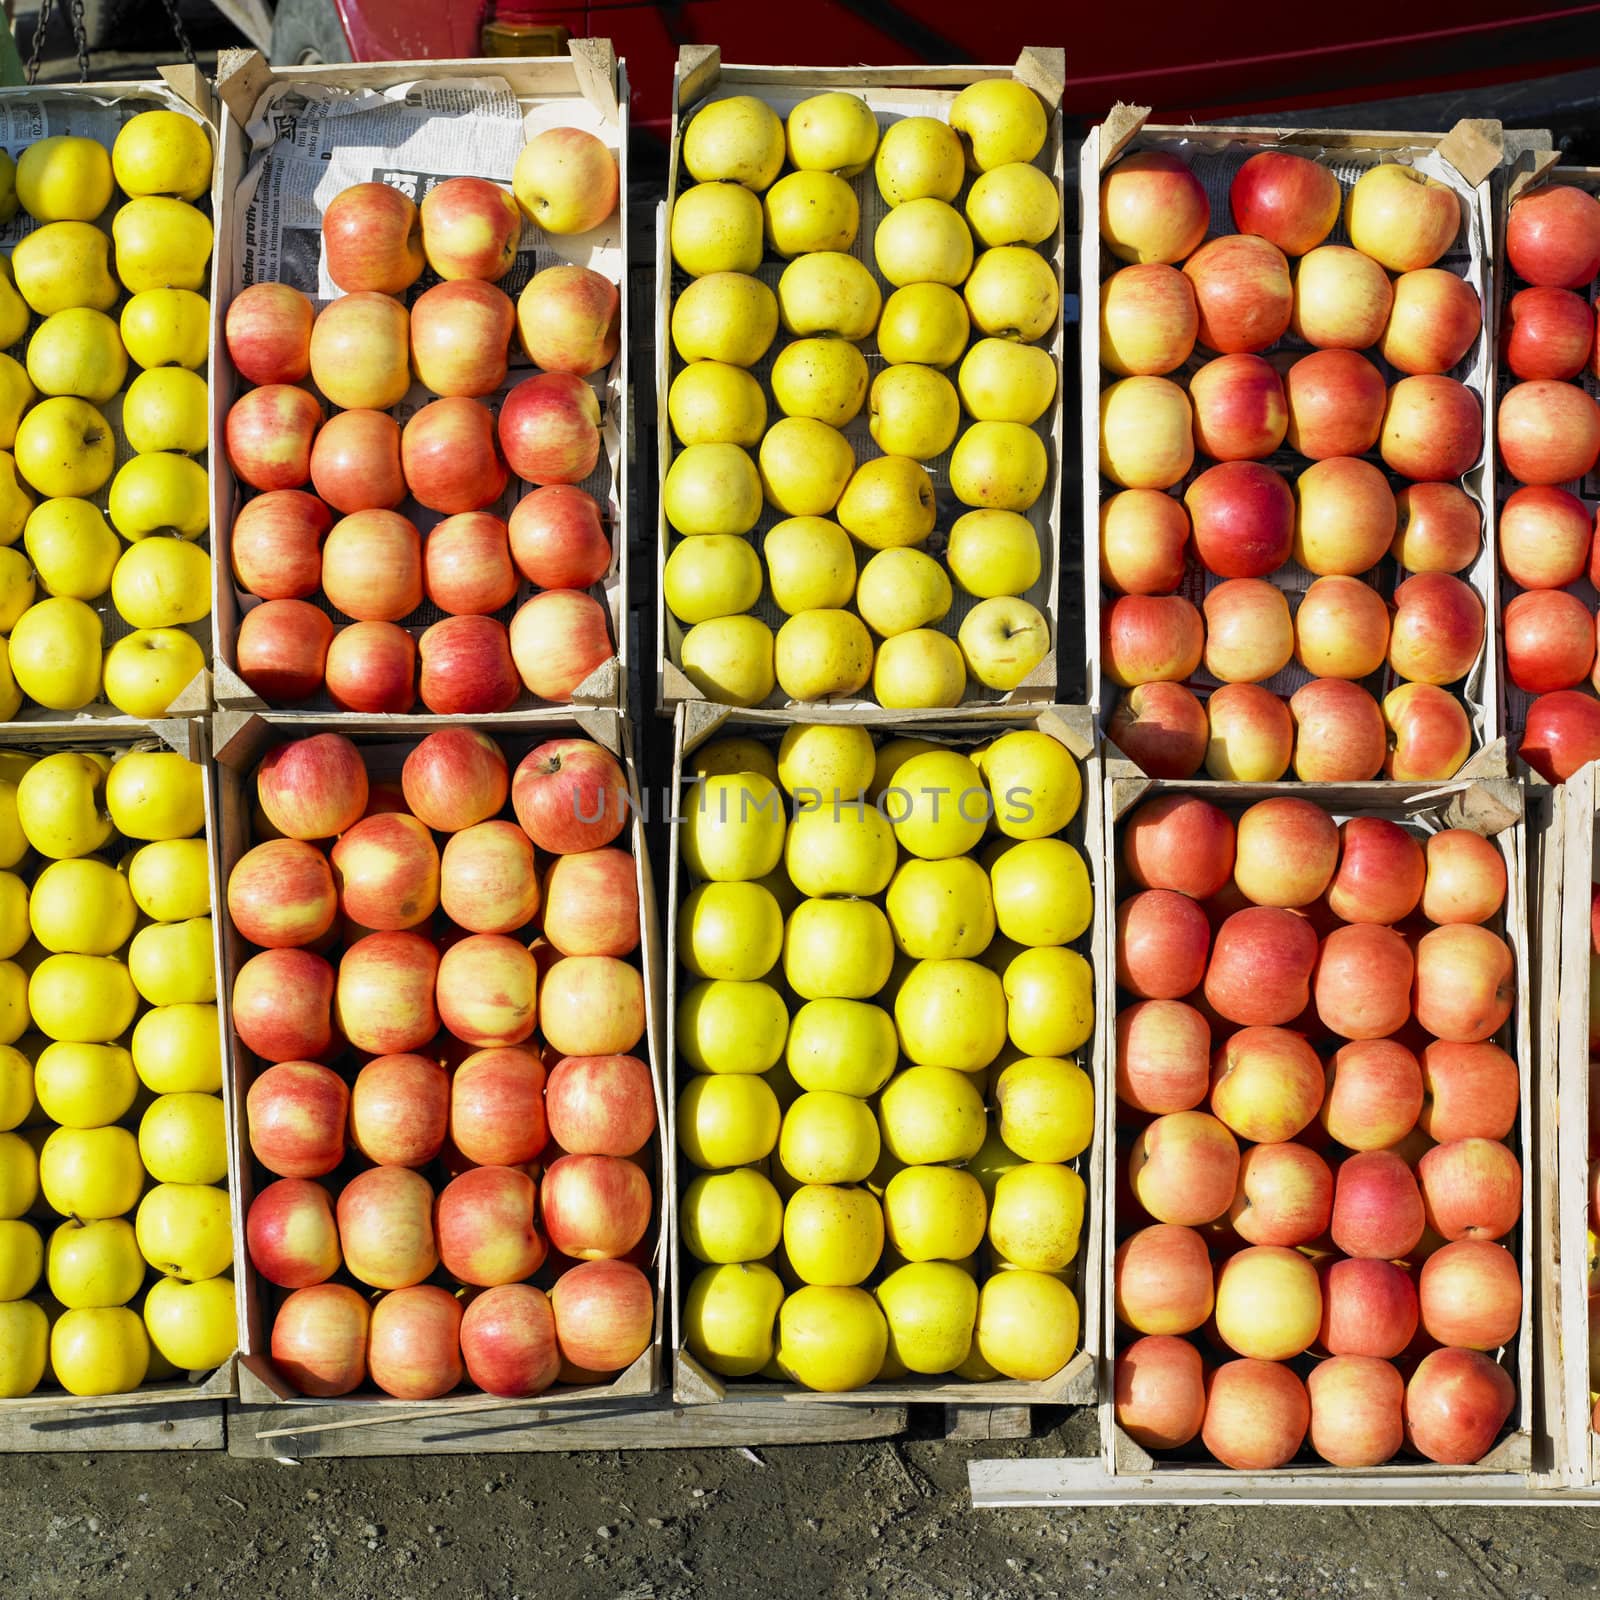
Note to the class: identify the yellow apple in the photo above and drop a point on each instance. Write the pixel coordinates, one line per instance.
(1003, 381)
(161, 244)
(919, 157)
(66, 178)
(845, 848)
(1003, 640)
(183, 1139)
(730, 660)
(934, 1114)
(923, 241)
(84, 1085)
(13, 841)
(65, 264)
(1016, 203)
(914, 412)
(167, 409)
(712, 488)
(834, 132)
(999, 464)
(725, 1026)
(828, 292)
(729, 1316)
(733, 827)
(19, 1176)
(716, 227)
(950, 1013)
(935, 1213)
(711, 402)
(101, 1351)
(828, 1138)
(173, 964)
(156, 794)
(55, 654)
(843, 1046)
(1035, 782)
(724, 316)
(938, 805)
(170, 879)
(15, 314)
(1050, 997)
(1042, 893)
(832, 1340)
(194, 1325)
(162, 152)
(804, 465)
(14, 927)
(931, 1307)
(16, 587)
(734, 140)
(1027, 1325)
(82, 999)
(1012, 292)
(719, 757)
(1046, 1108)
(837, 949)
(730, 930)
(888, 503)
(81, 906)
(727, 1119)
(833, 1236)
(15, 501)
(825, 379)
(993, 552)
(176, 1050)
(77, 352)
(900, 590)
(21, 1259)
(820, 655)
(924, 323)
(940, 910)
(921, 668)
(162, 583)
(1036, 1215)
(72, 548)
(24, 1347)
(733, 1216)
(16, 1088)
(1000, 120)
(147, 670)
(811, 564)
(158, 494)
(824, 762)
(95, 1264)
(60, 804)
(90, 1173)
(184, 1230)
(17, 393)
(711, 575)
(166, 327)
(13, 1002)
(65, 447)
(810, 211)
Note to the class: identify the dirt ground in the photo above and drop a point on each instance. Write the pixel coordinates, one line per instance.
(827, 1523)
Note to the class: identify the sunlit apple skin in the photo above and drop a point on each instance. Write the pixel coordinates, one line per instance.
(1335, 400)
(605, 1313)
(1243, 293)
(1339, 732)
(467, 568)
(1249, 633)
(1471, 1091)
(1374, 1094)
(268, 333)
(1471, 1188)
(558, 540)
(1285, 1195)
(1465, 983)
(1345, 516)
(1163, 1055)
(558, 638)
(1362, 986)
(319, 1340)
(296, 1113)
(1549, 640)
(1369, 1308)
(467, 667)
(1377, 1208)
(355, 461)
(1357, 1406)
(1456, 1403)
(1561, 734)
(1261, 965)
(1439, 528)
(1239, 408)
(1150, 638)
(1251, 737)
(1550, 333)
(372, 667)
(282, 1004)
(1266, 1084)
(1341, 628)
(1144, 539)
(1435, 321)
(1342, 299)
(1549, 432)
(1286, 851)
(595, 1207)
(1546, 538)
(1184, 1168)
(277, 544)
(1148, 320)
(1160, 1397)
(1179, 842)
(508, 1341)
(1432, 429)
(1243, 519)
(1288, 199)
(1470, 1294)
(414, 1348)
(399, 1109)
(1553, 237)
(486, 1229)
(1257, 1413)
(1163, 1280)
(1431, 735)
(600, 1105)
(1152, 208)
(291, 1234)
(269, 434)
(1380, 874)
(1162, 940)
(451, 457)
(454, 778)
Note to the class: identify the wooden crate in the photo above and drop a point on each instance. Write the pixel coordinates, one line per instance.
(1075, 1383)
(892, 93)
(241, 738)
(1490, 806)
(1465, 158)
(170, 1414)
(594, 83)
(25, 114)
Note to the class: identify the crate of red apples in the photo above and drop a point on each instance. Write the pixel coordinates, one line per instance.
(440, 954)
(1288, 379)
(1321, 1182)
(421, 385)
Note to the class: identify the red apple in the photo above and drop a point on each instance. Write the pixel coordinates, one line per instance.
(486, 992)
(1257, 1413)
(1471, 1091)
(277, 544)
(455, 778)
(1466, 982)
(1266, 1084)
(1549, 640)
(1439, 530)
(1161, 727)
(1436, 320)
(1381, 872)
(1339, 732)
(268, 333)
(1432, 429)
(467, 667)
(568, 319)
(355, 461)
(1345, 516)
(605, 1315)
(1284, 1196)
(372, 566)
(1249, 635)
(1470, 1294)
(384, 1000)
(557, 538)
(387, 871)
(282, 649)
(1250, 735)
(1148, 321)
(1335, 400)
(1144, 537)
(460, 336)
(1150, 639)
(372, 667)
(470, 229)
(1243, 518)
(1374, 1094)
(1152, 208)
(281, 894)
(399, 1109)
(570, 794)
(360, 358)
(485, 1223)
(1472, 1189)
(467, 568)
(1369, 1308)
(1357, 1404)
(372, 239)
(319, 1340)
(1184, 1168)
(1377, 1209)
(508, 1341)
(414, 1347)
(591, 1006)
(595, 1207)
(1239, 408)
(386, 1227)
(1549, 432)
(1163, 1280)
(1261, 965)
(451, 460)
(550, 428)
(1285, 852)
(1341, 299)
(312, 788)
(1287, 199)
(268, 435)
(601, 1105)
(282, 1005)
(291, 1235)
(1545, 538)
(497, 1116)
(1430, 735)
(1178, 842)
(1160, 1397)
(591, 903)
(296, 1112)
(487, 879)
(1362, 985)
(1561, 734)
(1550, 333)
(1456, 1404)
(1162, 942)
(1242, 292)
(1553, 237)
(558, 638)
(1163, 1055)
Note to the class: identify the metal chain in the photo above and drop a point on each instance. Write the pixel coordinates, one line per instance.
(41, 26)
(177, 28)
(80, 33)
